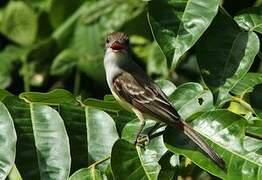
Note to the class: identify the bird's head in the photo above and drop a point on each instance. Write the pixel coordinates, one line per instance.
(117, 42)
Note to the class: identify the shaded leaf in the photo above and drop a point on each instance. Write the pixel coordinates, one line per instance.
(105, 105)
(19, 23)
(131, 162)
(177, 25)
(7, 142)
(55, 97)
(255, 128)
(101, 134)
(53, 152)
(4, 93)
(250, 19)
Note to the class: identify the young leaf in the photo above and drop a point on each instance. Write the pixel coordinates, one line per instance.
(177, 25)
(7, 142)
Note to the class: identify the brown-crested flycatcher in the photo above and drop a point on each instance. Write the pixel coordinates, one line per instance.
(136, 92)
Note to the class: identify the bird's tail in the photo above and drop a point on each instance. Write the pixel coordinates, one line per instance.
(196, 138)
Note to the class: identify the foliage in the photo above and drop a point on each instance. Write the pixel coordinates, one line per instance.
(56, 121)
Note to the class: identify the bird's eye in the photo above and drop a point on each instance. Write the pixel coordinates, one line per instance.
(107, 40)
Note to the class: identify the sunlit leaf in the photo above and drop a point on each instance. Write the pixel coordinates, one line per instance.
(101, 134)
(7, 142)
(225, 133)
(250, 19)
(177, 25)
(53, 152)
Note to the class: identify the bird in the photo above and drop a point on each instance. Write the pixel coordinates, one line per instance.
(137, 92)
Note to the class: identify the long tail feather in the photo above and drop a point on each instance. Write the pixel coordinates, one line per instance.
(196, 138)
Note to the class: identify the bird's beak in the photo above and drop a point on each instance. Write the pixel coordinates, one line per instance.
(117, 46)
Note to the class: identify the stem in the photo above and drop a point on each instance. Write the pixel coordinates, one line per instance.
(26, 75)
(99, 162)
(77, 82)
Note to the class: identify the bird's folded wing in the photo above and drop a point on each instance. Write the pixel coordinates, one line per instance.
(146, 97)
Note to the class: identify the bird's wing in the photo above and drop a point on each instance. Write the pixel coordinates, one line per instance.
(146, 97)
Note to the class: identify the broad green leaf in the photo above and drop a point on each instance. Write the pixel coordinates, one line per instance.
(225, 133)
(131, 162)
(247, 83)
(7, 142)
(64, 62)
(105, 105)
(14, 174)
(101, 134)
(26, 156)
(250, 19)
(19, 23)
(191, 98)
(177, 25)
(51, 142)
(86, 173)
(55, 97)
(232, 51)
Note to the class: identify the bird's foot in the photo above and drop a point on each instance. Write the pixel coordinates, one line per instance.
(142, 140)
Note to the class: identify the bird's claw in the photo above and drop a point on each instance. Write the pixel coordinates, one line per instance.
(142, 140)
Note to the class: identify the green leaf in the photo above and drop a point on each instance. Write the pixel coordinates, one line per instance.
(232, 51)
(225, 133)
(177, 25)
(55, 97)
(131, 162)
(64, 62)
(51, 142)
(191, 98)
(7, 142)
(101, 134)
(166, 86)
(60, 10)
(111, 106)
(87, 173)
(26, 156)
(250, 19)
(19, 23)
(255, 128)
(4, 93)
(247, 83)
